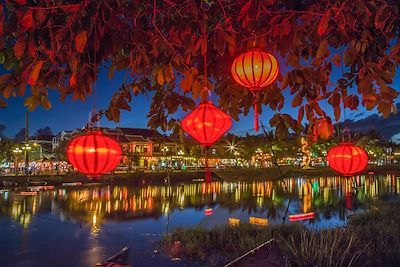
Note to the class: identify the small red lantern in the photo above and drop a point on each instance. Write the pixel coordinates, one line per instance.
(206, 123)
(347, 159)
(94, 154)
(255, 69)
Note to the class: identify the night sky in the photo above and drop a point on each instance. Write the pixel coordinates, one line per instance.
(71, 115)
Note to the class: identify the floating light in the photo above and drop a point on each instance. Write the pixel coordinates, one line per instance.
(208, 212)
(301, 217)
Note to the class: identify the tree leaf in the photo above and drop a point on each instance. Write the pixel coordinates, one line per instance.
(323, 24)
(19, 47)
(160, 77)
(381, 17)
(300, 115)
(27, 20)
(32, 48)
(46, 104)
(323, 49)
(297, 100)
(196, 88)
(72, 80)
(7, 91)
(2, 103)
(186, 81)
(336, 112)
(336, 60)
(81, 39)
(35, 71)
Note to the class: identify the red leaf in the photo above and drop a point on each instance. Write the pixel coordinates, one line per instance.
(27, 21)
(19, 47)
(32, 48)
(72, 80)
(300, 115)
(1, 20)
(323, 24)
(135, 90)
(20, 2)
(34, 75)
(245, 9)
(81, 39)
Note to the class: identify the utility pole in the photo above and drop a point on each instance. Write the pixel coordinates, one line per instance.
(26, 144)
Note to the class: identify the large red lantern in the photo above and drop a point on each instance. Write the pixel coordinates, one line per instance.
(206, 123)
(347, 159)
(94, 154)
(255, 69)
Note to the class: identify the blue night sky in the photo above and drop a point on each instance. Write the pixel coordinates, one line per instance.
(70, 115)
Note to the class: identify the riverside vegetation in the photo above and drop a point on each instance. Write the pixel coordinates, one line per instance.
(371, 238)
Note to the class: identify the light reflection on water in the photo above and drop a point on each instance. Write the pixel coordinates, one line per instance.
(93, 222)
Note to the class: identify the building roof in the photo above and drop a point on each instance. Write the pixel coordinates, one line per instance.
(139, 139)
(42, 137)
(146, 133)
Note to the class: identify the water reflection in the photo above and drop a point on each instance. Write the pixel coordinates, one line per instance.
(331, 198)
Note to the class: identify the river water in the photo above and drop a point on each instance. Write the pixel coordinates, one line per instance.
(79, 226)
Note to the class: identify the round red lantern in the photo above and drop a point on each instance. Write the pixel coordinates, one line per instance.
(206, 123)
(255, 69)
(94, 154)
(347, 159)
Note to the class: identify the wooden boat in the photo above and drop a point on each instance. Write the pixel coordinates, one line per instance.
(118, 260)
(72, 184)
(28, 193)
(36, 183)
(40, 187)
(10, 184)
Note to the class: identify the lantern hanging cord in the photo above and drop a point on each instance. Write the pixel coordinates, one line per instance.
(95, 68)
(204, 36)
(342, 69)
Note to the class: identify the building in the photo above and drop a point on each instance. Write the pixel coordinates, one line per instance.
(149, 145)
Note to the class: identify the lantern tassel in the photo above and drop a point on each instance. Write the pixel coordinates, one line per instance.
(255, 106)
(208, 172)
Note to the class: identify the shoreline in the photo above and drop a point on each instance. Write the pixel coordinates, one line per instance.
(157, 178)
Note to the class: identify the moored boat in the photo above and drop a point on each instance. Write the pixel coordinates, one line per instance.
(118, 260)
(36, 182)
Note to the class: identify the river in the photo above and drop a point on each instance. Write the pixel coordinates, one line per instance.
(79, 226)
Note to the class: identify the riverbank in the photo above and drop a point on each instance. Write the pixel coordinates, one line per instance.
(371, 238)
(230, 175)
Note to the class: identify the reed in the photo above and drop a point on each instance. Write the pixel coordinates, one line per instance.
(371, 238)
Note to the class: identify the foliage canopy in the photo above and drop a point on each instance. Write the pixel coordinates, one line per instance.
(61, 44)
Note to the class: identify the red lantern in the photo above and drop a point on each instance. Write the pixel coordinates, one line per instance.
(94, 154)
(347, 159)
(206, 123)
(255, 69)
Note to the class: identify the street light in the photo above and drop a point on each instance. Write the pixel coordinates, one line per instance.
(16, 151)
(180, 152)
(26, 148)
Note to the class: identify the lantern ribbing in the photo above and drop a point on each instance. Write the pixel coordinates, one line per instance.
(94, 154)
(254, 70)
(347, 159)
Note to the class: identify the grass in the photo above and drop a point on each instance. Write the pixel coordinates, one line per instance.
(370, 239)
